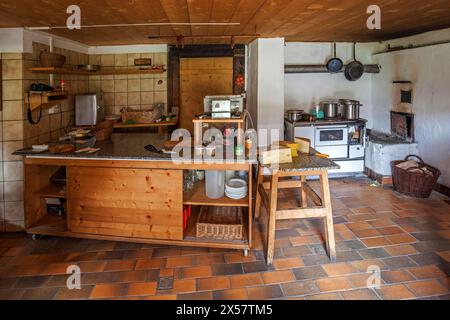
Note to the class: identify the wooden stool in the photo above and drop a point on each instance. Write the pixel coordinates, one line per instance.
(267, 192)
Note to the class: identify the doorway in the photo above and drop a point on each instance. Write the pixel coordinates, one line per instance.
(200, 77)
(207, 70)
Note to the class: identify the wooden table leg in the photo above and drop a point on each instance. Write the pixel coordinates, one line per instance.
(329, 227)
(273, 201)
(303, 192)
(259, 180)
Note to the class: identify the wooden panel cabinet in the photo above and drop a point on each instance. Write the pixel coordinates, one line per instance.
(137, 203)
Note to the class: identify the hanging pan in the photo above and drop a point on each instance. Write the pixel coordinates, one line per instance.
(355, 69)
(334, 64)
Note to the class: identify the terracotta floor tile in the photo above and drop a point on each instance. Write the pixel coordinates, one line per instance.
(401, 238)
(161, 297)
(339, 269)
(31, 282)
(325, 296)
(56, 268)
(366, 233)
(390, 230)
(66, 294)
(134, 276)
(204, 295)
(396, 276)
(102, 291)
(196, 272)
(378, 223)
(361, 225)
(427, 272)
(143, 264)
(303, 240)
(395, 292)
(91, 266)
(39, 294)
(231, 294)
(27, 270)
(238, 257)
(445, 255)
(120, 265)
(184, 285)
(265, 293)
(360, 280)
(299, 288)
(165, 272)
(141, 288)
(363, 210)
(245, 280)
(333, 284)
(214, 283)
(278, 276)
(181, 261)
(288, 263)
(400, 250)
(427, 288)
(376, 242)
(360, 294)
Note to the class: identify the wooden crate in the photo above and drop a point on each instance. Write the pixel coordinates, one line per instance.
(220, 223)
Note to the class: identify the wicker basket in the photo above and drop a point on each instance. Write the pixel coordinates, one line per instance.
(414, 183)
(220, 223)
(50, 59)
(141, 116)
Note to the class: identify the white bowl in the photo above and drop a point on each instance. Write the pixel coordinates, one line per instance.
(236, 185)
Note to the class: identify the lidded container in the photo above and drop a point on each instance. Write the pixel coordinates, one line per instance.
(215, 184)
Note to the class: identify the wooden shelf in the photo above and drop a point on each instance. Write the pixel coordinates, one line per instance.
(190, 234)
(34, 100)
(226, 120)
(197, 197)
(53, 191)
(120, 125)
(105, 72)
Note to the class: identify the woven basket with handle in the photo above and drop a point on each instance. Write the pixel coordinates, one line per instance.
(413, 182)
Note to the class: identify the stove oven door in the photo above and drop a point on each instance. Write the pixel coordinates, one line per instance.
(331, 136)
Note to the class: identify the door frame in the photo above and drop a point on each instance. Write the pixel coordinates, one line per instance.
(201, 51)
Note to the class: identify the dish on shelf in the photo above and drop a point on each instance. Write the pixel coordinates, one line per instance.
(236, 189)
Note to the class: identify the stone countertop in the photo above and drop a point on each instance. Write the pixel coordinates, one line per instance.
(307, 162)
(122, 146)
(325, 122)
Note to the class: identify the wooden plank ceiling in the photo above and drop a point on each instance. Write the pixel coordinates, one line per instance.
(296, 20)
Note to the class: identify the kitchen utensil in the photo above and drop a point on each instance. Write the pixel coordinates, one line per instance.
(330, 109)
(350, 109)
(89, 67)
(215, 184)
(355, 69)
(294, 115)
(334, 64)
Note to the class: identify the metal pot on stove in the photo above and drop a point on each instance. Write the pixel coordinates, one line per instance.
(330, 109)
(350, 109)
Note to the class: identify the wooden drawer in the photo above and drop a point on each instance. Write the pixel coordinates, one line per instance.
(140, 203)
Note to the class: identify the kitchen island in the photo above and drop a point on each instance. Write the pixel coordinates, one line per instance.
(124, 192)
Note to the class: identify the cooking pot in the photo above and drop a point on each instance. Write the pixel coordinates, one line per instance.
(330, 109)
(350, 110)
(294, 115)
